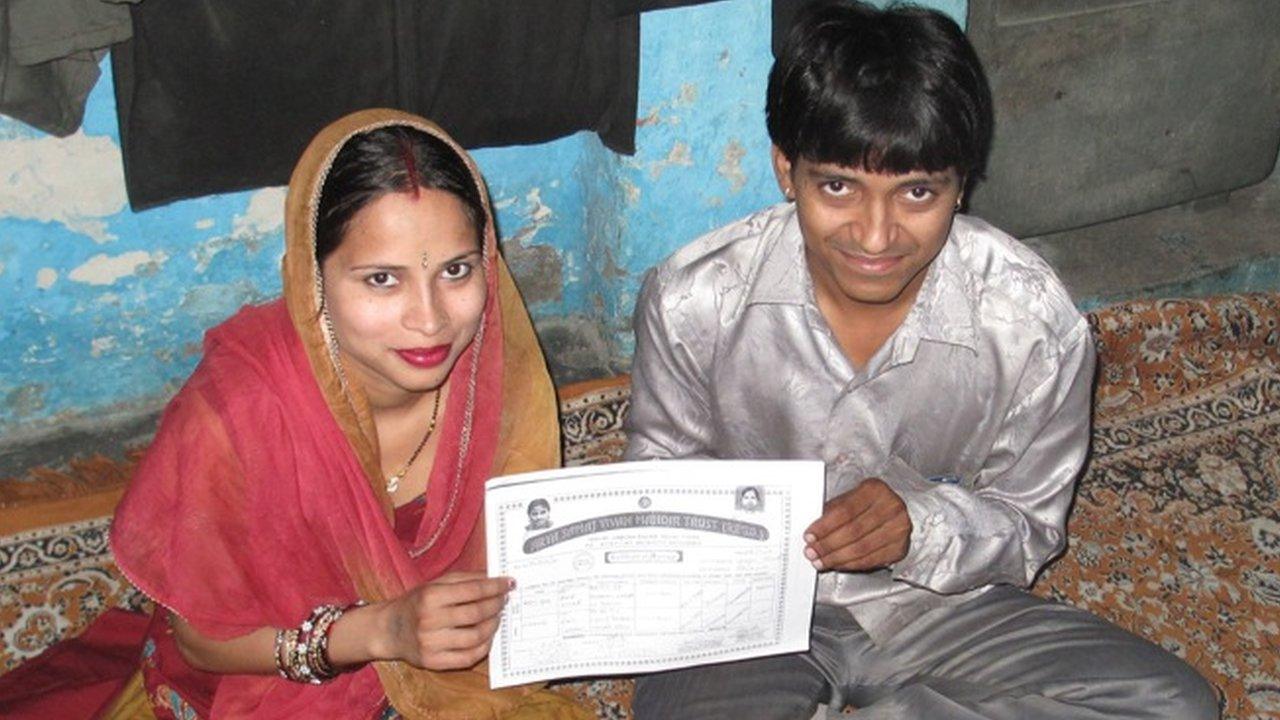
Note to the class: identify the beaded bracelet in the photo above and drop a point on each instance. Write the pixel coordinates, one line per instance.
(302, 654)
(285, 640)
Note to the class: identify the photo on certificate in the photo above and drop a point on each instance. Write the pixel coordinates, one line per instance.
(638, 567)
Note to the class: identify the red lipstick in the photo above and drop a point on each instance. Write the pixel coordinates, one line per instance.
(425, 357)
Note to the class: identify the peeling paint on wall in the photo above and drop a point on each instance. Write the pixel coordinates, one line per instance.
(678, 156)
(100, 345)
(25, 400)
(103, 269)
(261, 222)
(264, 214)
(75, 181)
(46, 277)
(730, 167)
(210, 303)
(630, 191)
(661, 112)
(539, 268)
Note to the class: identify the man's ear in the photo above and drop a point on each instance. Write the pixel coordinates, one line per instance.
(782, 172)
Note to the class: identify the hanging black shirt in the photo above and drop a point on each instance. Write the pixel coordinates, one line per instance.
(222, 95)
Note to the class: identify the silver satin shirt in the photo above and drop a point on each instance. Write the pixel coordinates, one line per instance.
(975, 411)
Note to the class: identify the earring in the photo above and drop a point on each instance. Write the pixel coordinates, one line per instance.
(959, 202)
(789, 194)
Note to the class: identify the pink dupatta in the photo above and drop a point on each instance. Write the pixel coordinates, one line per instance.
(261, 496)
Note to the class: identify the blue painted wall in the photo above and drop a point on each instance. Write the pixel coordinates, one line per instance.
(104, 308)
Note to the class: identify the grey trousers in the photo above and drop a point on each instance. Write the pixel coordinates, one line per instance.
(1006, 655)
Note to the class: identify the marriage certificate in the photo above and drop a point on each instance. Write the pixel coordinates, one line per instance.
(637, 567)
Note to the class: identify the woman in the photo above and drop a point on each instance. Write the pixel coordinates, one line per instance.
(308, 519)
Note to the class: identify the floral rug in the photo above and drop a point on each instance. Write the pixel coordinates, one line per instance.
(1175, 534)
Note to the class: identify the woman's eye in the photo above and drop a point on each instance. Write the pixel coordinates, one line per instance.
(457, 270)
(382, 280)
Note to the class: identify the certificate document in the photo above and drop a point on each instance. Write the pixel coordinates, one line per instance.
(636, 567)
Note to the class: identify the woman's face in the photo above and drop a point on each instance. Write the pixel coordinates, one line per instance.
(405, 290)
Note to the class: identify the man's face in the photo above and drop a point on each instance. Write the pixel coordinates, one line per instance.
(868, 236)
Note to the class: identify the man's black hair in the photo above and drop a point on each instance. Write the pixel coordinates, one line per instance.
(892, 90)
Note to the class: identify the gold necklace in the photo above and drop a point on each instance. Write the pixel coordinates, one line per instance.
(393, 482)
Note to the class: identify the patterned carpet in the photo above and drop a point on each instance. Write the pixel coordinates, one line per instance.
(1175, 533)
(53, 582)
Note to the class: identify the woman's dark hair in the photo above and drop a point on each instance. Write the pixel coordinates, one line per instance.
(397, 158)
(893, 90)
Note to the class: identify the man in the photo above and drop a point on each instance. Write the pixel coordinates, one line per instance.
(939, 369)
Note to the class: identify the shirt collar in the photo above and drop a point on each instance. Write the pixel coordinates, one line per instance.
(946, 306)
(944, 310)
(783, 276)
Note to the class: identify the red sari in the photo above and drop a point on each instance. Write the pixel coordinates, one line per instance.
(262, 496)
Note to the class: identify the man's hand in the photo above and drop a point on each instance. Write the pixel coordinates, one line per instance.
(863, 529)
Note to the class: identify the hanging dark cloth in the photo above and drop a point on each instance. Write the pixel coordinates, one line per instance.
(638, 6)
(49, 54)
(784, 14)
(222, 95)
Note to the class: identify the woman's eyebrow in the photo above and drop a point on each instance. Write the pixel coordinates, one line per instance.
(461, 256)
(379, 266)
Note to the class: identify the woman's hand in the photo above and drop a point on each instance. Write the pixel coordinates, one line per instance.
(446, 624)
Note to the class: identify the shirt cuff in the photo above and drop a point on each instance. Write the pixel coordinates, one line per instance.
(929, 518)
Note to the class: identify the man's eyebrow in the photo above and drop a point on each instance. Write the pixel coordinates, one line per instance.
(827, 174)
(915, 177)
(923, 178)
(830, 171)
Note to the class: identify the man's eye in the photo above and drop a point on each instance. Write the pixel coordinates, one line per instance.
(382, 280)
(919, 193)
(457, 270)
(835, 187)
